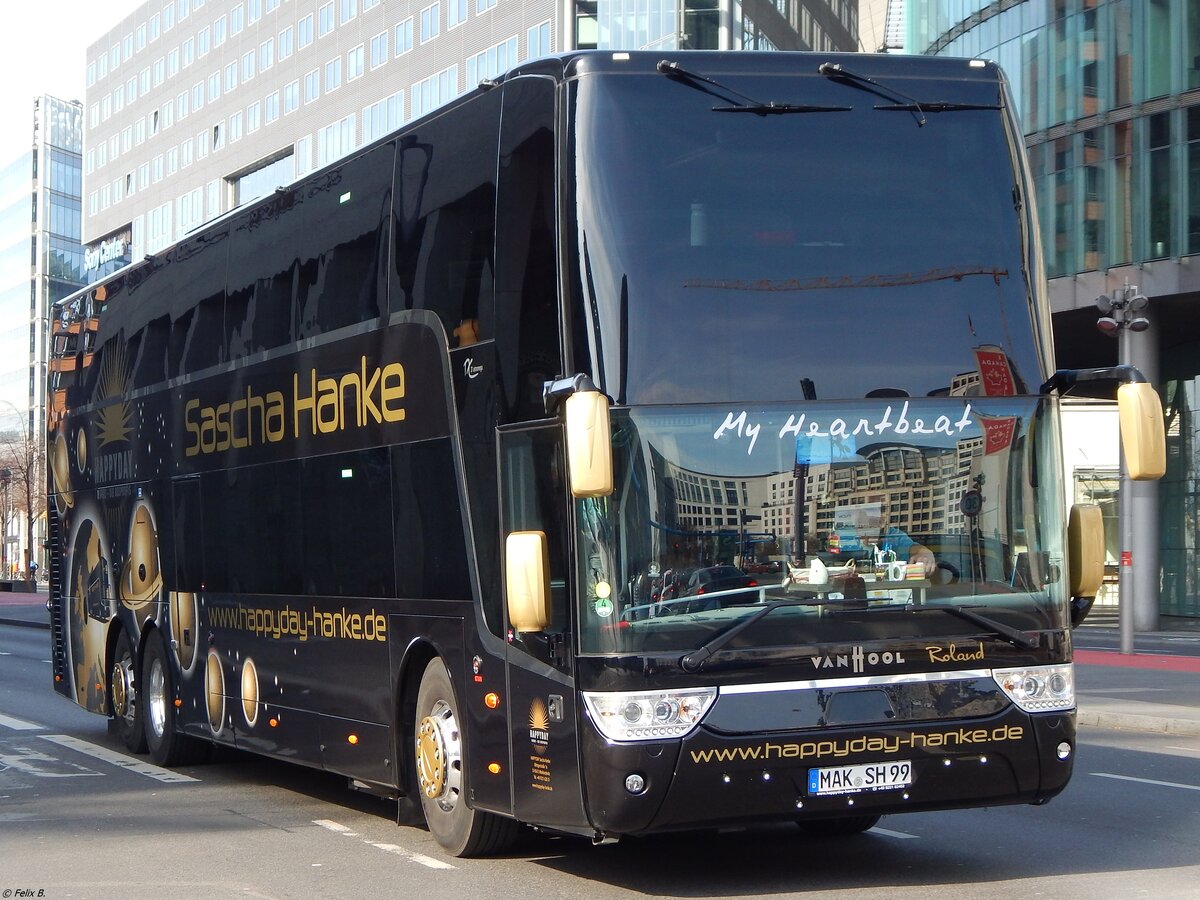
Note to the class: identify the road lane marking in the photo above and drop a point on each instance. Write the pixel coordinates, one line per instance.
(166, 776)
(419, 858)
(19, 724)
(40, 765)
(1174, 784)
(900, 835)
(427, 861)
(335, 827)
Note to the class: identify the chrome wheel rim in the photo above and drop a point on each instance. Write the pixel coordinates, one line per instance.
(156, 698)
(124, 695)
(439, 757)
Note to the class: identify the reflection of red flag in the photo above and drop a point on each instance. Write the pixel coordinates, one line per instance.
(998, 433)
(994, 373)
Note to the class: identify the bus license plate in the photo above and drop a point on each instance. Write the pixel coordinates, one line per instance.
(853, 779)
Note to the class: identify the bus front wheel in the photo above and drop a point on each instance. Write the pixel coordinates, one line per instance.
(441, 775)
(126, 721)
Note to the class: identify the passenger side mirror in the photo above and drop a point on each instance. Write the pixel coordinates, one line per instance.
(527, 580)
(1085, 545)
(1143, 438)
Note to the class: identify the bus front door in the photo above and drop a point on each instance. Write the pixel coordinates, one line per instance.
(544, 765)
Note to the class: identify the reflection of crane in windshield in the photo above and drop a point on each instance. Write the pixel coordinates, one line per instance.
(825, 282)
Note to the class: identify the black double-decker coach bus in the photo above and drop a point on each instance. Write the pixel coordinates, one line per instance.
(634, 444)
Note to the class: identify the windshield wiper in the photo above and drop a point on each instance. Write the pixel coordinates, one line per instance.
(1012, 635)
(770, 108)
(936, 106)
(839, 72)
(694, 661)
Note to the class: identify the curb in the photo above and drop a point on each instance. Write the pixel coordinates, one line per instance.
(1134, 722)
(23, 624)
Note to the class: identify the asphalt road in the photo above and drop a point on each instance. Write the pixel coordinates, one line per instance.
(79, 818)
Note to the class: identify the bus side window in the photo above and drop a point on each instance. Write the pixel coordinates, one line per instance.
(196, 287)
(445, 217)
(188, 531)
(430, 550)
(150, 366)
(345, 284)
(260, 311)
(346, 537)
(526, 282)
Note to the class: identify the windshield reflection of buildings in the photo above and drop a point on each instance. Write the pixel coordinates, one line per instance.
(917, 489)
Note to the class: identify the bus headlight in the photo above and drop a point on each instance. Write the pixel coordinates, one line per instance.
(1039, 688)
(648, 715)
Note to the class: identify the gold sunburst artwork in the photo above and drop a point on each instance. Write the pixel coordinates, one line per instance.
(113, 422)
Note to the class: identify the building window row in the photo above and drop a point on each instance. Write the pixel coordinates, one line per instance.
(331, 142)
(214, 35)
(1099, 208)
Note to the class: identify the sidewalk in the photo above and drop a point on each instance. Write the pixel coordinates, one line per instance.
(1153, 690)
(25, 609)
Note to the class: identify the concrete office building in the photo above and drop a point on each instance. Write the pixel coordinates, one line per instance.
(1108, 94)
(197, 106)
(41, 261)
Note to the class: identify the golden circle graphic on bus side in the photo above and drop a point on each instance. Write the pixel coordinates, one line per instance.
(141, 577)
(214, 686)
(250, 692)
(88, 614)
(183, 627)
(81, 450)
(60, 468)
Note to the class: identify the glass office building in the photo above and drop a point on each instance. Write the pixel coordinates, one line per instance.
(41, 261)
(1108, 94)
(195, 107)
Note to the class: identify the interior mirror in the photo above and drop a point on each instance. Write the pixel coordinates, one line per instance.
(1143, 438)
(1085, 544)
(527, 579)
(589, 444)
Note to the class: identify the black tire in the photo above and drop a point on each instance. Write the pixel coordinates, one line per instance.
(123, 704)
(168, 747)
(439, 766)
(835, 828)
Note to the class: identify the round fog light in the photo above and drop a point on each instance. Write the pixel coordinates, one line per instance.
(1064, 751)
(635, 783)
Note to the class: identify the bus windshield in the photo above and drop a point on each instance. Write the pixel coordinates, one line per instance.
(731, 256)
(858, 514)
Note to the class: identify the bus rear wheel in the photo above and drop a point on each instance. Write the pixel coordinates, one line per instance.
(126, 721)
(168, 747)
(843, 827)
(441, 774)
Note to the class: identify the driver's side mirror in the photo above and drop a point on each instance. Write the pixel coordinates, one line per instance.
(527, 580)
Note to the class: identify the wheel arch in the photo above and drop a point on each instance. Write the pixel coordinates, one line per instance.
(414, 658)
(116, 628)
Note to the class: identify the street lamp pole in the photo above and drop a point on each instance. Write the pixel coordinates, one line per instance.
(1125, 523)
(1123, 317)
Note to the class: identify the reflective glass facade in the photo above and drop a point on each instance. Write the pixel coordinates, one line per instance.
(1108, 94)
(41, 261)
(717, 24)
(1097, 86)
